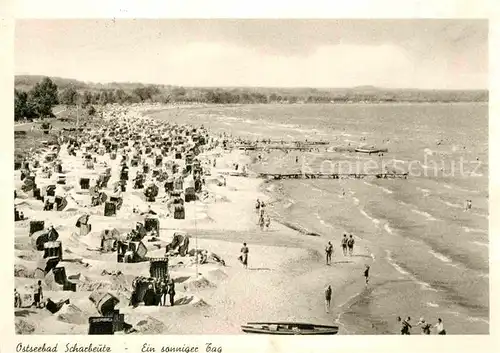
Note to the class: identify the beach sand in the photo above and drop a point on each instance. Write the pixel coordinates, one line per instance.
(285, 279)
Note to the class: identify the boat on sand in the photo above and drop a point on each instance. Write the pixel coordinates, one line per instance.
(289, 328)
(370, 150)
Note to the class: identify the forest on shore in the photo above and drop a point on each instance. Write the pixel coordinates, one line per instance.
(36, 95)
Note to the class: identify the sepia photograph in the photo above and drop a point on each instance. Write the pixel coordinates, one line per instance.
(251, 177)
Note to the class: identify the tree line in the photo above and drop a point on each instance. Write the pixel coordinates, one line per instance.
(38, 101)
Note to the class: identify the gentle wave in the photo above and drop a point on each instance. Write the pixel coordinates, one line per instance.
(480, 243)
(374, 220)
(387, 228)
(425, 191)
(454, 205)
(440, 256)
(398, 161)
(425, 214)
(432, 305)
(477, 319)
(290, 203)
(387, 191)
(475, 230)
(423, 285)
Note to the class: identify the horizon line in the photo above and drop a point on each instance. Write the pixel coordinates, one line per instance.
(368, 86)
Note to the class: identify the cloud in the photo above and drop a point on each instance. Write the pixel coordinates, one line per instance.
(314, 53)
(344, 65)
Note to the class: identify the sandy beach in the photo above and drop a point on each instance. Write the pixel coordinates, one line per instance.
(284, 281)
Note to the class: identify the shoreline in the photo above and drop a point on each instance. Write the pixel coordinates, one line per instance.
(297, 235)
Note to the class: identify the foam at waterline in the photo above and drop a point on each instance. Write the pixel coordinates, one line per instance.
(479, 243)
(290, 203)
(356, 200)
(423, 285)
(425, 214)
(388, 228)
(481, 215)
(374, 220)
(326, 224)
(432, 305)
(477, 319)
(387, 191)
(425, 191)
(454, 205)
(228, 118)
(440, 256)
(398, 161)
(474, 230)
(253, 133)
(251, 122)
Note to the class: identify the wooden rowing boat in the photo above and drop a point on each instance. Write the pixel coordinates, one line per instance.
(370, 150)
(289, 328)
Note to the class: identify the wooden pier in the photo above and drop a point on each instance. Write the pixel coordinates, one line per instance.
(280, 176)
(282, 148)
(311, 147)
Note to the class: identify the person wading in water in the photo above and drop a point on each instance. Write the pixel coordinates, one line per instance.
(350, 245)
(426, 327)
(405, 325)
(440, 327)
(344, 244)
(366, 274)
(328, 298)
(329, 251)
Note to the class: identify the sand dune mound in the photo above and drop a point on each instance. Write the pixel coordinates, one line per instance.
(23, 245)
(120, 283)
(24, 327)
(199, 283)
(191, 300)
(27, 255)
(28, 203)
(71, 314)
(150, 325)
(23, 270)
(217, 275)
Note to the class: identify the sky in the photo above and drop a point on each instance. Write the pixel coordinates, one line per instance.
(427, 54)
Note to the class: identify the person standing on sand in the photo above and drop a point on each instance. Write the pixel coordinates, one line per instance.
(38, 296)
(17, 299)
(268, 222)
(262, 222)
(440, 327)
(171, 291)
(329, 251)
(244, 255)
(350, 244)
(164, 292)
(149, 296)
(344, 244)
(328, 298)
(366, 274)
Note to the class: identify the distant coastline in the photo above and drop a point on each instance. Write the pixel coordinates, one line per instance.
(124, 93)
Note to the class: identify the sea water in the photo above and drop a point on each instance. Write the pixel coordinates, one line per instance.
(429, 255)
